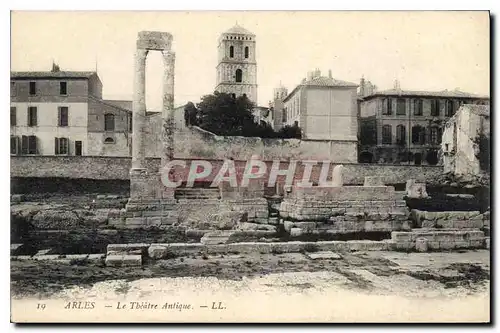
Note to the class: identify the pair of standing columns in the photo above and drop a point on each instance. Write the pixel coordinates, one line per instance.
(139, 109)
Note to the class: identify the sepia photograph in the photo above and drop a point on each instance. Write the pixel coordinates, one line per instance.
(250, 166)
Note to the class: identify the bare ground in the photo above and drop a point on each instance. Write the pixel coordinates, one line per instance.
(467, 272)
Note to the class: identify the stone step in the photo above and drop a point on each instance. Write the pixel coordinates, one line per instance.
(217, 237)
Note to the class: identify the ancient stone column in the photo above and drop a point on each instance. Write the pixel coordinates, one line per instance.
(139, 112)
(168, 105)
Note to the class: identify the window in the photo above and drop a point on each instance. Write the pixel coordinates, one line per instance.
(387, 134)
(449, 109)
(239, 75)
(13, 116)
(435, 108)
(109, 140)
(63, 116)
(32, 88)
(434, 135)
(61, 146)
(130, 122)
(13, 91)
(418, 107)
(418, 135)
(387, 106)
(446, 147)
(284, 115)
(32, 116)
(14, 145)
(246, 51)
(109, 122)
(29, 144)
(78, 148)
(231, 51)
(401, 109)
(63, 88)
(401, 134)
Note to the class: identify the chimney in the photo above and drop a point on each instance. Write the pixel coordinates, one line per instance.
(310, 76)
(362, 86)
(330, 73)
(397, 86)
(317, 73)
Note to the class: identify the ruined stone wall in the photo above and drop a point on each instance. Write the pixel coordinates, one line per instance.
(196, 143)
(100, 167)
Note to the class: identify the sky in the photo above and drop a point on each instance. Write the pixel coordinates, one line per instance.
(423, 50)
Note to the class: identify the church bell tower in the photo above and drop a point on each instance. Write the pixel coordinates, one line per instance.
(237, 67)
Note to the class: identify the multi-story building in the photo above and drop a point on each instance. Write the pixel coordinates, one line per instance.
(400, 126)
(63, 113)
(466, 141)
(323, 107)
(237, 64)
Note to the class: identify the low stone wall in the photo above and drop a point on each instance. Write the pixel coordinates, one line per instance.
(439, 239)
(105, 168)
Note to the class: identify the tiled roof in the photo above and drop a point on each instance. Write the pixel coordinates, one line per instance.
(444, 93)
(52, 75)
(237, 29)
(324, 81)
(120, 103)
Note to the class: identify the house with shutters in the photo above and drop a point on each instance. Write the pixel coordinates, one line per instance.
(62, 113)
(399, 126)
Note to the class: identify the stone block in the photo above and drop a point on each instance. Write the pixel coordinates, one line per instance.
(273, 220)
(477, 243)
(135, 221)
(16, 198)
(115, 260)
(416, 190)
(154, 221)
(157, 251)
(487, 242)
(374, 181)
(125, 248)
(323, 255)
(296, 232)
(421, 245)
(246, 226)
(217, 237)
(131, 260)
(401, 236)
(404, 245)
(305, 226)
(288, 225)
(428, 224)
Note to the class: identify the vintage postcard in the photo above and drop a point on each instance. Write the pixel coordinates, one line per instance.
(250, 166)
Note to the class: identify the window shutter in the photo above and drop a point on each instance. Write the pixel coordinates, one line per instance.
(66, 145)
(24, 144)
(35, 117)
(59, 116)
(56, 146)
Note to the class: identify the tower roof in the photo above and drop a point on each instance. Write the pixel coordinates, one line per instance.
(237, 29)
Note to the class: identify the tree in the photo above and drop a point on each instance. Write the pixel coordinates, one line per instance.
(224, 114)
(228, 115)
(190, 114)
